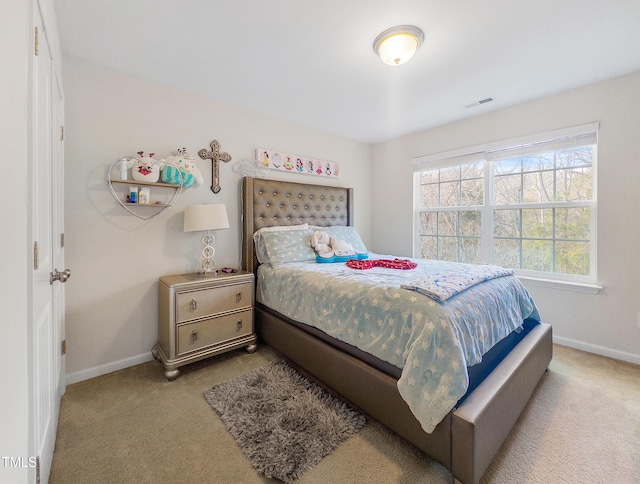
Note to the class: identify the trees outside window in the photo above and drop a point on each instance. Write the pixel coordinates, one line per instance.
(529, 206)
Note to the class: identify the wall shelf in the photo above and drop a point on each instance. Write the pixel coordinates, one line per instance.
(150, 205)
(141, 210)
(144, 183)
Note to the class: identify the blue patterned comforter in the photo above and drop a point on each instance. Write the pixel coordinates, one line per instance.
(432, 342)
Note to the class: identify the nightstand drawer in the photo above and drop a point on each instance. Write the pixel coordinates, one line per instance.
(199, 334)
(206, 302)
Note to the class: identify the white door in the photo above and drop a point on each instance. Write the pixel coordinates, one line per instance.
(47, 217)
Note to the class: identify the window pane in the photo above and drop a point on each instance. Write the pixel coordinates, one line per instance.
(582, 156)
(572, 258)
(574, 185)
(538, 187)
(470, 223)
(470, 250)
(538, 162)
(507, 189)
(449, 174)
(506, 223)
(448, 223)
(508, 166)
(472, 170)
(430, 176)
(429, 247)
(429, 223)
(448, 249)
(506, 253)
(573, 223)
(450, 194)
(429, 195)
(537, 223)
(472, 192)
(537, 255)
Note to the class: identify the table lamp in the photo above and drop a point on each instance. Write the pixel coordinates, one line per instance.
(205, 216)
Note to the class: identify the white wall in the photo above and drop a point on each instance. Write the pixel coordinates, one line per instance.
(115, 258)
(604, 323)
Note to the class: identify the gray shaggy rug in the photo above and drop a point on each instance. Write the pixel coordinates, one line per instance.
(284, 423)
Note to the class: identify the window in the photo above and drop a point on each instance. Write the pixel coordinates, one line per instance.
(527, 204)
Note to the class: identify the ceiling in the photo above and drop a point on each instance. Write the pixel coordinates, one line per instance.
(312, 62)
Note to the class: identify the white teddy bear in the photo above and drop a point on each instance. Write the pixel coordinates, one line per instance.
(322, 243)
(326, 246)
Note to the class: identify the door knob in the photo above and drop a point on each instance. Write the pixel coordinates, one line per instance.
(59, 276)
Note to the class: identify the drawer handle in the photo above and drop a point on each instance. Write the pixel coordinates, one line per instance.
(194, 336)
(239, 324)
(238, 297)
(194, 304)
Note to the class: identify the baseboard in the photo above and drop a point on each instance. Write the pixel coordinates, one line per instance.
(598, 350)
(95, 371)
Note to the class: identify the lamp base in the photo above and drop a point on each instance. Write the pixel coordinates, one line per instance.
(208, 251)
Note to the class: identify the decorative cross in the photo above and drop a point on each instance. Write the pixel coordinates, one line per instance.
(215, 156)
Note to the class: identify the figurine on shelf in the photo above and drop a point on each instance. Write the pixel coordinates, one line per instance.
(146, 169)
(181, 169)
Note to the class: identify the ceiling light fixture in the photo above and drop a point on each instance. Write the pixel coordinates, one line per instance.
(397, 45)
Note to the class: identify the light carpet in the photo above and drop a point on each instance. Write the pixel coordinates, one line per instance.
(582, 425)
(284, 423)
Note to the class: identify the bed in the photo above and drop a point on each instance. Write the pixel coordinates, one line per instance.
(469, 435)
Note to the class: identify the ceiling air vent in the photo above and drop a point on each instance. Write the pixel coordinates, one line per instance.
(479, 103)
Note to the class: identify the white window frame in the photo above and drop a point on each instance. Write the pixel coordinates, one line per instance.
(489, 151)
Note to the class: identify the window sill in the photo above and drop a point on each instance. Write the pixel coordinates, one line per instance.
(584, 287)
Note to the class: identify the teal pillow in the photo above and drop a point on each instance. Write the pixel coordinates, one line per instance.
(347, 234)
(289, 246)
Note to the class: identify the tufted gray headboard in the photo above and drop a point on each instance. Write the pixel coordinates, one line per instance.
(271, 202)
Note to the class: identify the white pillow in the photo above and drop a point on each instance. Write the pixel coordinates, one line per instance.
(258, 238)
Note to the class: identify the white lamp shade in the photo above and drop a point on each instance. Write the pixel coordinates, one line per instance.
(398, 49)
(397, 45)
(205, 216)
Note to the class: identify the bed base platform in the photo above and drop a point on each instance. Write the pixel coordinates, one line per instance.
(468, 438)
